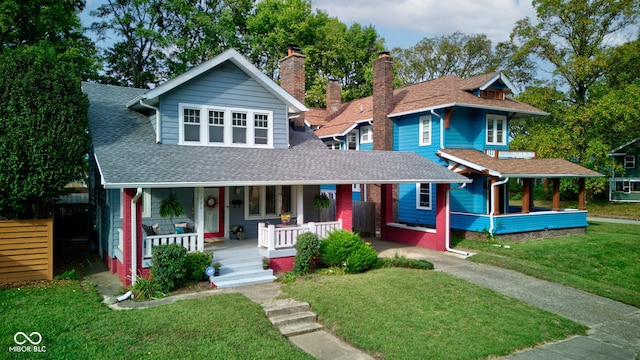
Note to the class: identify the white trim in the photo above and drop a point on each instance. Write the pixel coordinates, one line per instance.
(238, 60)
(146, 203)
(495, 119)
(485, 107)
(366, 130)
(352, 135)
(421, 121)
(632, 162)
(419, 193)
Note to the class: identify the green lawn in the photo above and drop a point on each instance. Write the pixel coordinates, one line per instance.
(398, 313)
(75, 325)
(603, 262)
(602, 208)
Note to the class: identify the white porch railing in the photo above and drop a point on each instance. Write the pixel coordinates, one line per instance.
(189, 241)
(275, 237)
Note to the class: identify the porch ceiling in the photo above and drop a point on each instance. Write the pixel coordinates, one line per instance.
(517, 168)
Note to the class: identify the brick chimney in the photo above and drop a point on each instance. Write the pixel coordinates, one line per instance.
(382, 102)
(292, 79)
(333, 96)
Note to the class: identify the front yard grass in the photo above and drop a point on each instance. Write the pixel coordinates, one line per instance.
(75, 325)
(396, 313)
(603, 262)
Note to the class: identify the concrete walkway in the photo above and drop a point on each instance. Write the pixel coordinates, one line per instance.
(614, 328)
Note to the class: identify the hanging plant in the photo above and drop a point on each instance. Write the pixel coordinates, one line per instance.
(321, 201)
(170, 207)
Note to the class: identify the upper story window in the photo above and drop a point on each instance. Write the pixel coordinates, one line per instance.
(366, 134)
(630, 162)
(423, 198)
(425, 130)
(496, 129)
(208, 125)
(352, 140)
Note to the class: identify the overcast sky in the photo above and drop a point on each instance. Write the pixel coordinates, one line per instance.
(402, 23)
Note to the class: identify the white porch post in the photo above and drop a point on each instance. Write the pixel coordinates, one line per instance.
(271, 240)
(199, 208)
(299, 204)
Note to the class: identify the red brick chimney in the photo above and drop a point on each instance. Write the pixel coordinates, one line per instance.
(382, 102)
(292, 79)
(333, 96)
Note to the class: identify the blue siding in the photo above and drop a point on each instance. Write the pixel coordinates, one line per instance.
(472, 198)
(515, 223)
(407, 212)
(226, 86)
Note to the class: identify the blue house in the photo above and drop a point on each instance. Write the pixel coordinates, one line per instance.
(230, 146)
(463, 125)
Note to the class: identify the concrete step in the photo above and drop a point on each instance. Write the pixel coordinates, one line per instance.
(302, 317)
(239, 273)
(285, 306)
(244, 281)
(299, 329)
(238, 253)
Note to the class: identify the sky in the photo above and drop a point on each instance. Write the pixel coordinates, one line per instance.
(403, 23)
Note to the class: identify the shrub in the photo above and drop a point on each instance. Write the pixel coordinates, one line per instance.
(196, 264)
(169, 266)
(307, 250)
(146, 289)
(404, 262)
(361, 259)
(337, 247)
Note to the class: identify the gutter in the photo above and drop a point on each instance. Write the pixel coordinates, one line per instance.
(134, 236)
(441, 129)
(157, 118)
(493, 210)
(447, 230)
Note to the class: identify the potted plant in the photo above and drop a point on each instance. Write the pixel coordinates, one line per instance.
(170, 207)
(321, 201)
(216, 267)
(285, 218)
(238, 231)
(265, 263)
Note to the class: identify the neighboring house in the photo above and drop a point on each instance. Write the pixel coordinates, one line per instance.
(625, 185)
(462, 124)
(231, 145)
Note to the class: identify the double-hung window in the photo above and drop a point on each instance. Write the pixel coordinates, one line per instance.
(220, 126)
(425, 130)
(423, 196)
(191, 123)
(496, 129)
(630, 162)
(366, 134)
(269, 201)
(352, 140)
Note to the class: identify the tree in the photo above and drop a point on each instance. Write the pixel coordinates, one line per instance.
(43, 130)
(52, 21)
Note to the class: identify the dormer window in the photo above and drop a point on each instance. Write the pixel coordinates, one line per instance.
(218, 126)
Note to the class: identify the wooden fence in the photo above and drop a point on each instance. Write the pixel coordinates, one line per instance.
(26, 250)
(364, 216)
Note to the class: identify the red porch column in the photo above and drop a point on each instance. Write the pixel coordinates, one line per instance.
(127, 241)
(555, 205)
(582, 203)
(344, 206)
(386, 209)
(526, 196)
(441, 216)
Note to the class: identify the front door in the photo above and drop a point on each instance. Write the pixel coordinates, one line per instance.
(213, 212)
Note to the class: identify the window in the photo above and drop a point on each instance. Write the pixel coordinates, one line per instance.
(352, 140)
(191, 121)
(239, 124)
(496, 129)
(425, 130)
(334, 145)
(261, 129)
(216, 126)
(366, 134)
(630, 162)
(224, 126)
(423, 198)
(269, 201)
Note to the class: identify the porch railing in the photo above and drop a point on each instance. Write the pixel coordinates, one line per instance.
(275, 237)
(188, 241)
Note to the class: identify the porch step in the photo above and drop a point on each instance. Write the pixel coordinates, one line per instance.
(292, 317)
(240, 268)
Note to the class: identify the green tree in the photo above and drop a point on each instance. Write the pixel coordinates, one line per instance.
(43, 130)
(52, 21)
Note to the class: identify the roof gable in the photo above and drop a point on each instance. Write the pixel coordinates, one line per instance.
(231, 55)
